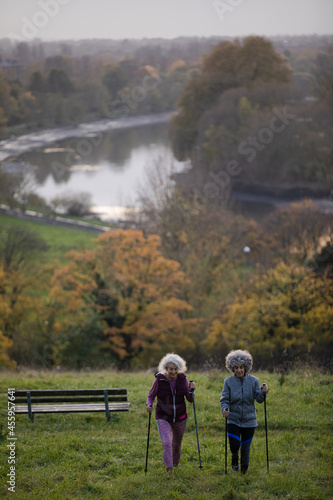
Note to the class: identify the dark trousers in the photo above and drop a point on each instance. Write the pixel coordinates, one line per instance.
(240, 437)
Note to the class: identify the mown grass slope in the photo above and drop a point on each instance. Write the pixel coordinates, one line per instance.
(82, 456)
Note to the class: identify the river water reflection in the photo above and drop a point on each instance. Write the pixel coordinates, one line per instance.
(108, 166)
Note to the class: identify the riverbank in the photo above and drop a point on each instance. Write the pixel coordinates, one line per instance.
(32, 216)
(15, 146)
(266, 203)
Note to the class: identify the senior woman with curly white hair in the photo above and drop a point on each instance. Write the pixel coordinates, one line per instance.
(171, 388)
(239, 393)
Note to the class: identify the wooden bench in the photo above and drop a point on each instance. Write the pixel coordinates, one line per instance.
(70, 401)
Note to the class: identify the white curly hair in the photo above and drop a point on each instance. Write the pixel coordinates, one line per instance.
(239, 357)
(172, 358)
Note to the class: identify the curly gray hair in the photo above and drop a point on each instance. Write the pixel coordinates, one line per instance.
(239, 357)
(172, 358)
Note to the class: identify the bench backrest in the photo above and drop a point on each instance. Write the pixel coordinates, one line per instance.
(70, 395)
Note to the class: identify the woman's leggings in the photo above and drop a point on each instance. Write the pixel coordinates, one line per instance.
(171, 449)
(241, 437)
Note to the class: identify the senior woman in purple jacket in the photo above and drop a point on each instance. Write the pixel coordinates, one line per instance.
(171, 388)
(239, 393)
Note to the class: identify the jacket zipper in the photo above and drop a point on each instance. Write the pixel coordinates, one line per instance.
(173, 399)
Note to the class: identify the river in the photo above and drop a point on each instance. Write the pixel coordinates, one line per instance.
(107, 160)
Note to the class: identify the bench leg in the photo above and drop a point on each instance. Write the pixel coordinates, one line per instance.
(106, 401)
(31, 415)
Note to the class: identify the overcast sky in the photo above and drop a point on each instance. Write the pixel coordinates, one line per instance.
(119, 19)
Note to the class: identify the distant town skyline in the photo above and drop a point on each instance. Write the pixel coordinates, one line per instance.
(50, 20)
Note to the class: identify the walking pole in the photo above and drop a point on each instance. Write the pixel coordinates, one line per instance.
(196, 426)
(266, 430)
(226, 446)
(147, 443)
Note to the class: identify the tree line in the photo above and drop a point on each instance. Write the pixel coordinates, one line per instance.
(58, 96)
(191, 290)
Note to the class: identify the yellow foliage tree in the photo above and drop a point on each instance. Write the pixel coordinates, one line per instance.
(283, 313)
(5, 342)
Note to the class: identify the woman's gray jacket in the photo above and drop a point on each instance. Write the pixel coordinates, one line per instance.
(238, 395)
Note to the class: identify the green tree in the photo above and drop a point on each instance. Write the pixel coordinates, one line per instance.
(3, 121)
(324, 74)
(59, 83)
(18, 246)
(229, 65)
(9, 187)
(114, 78)
(37, 83)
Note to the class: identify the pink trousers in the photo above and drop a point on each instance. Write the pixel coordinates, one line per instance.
(171, 449)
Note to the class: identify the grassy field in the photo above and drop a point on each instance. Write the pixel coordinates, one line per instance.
(83, 456)
(60, 239)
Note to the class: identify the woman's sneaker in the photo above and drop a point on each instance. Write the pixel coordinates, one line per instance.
(244, 468)
(170, 472)
(234, 463)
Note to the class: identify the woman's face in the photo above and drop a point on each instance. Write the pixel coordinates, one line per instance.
(172, 371)
(239, 371)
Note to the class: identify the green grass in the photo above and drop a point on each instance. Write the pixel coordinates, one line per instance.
(60, 239)
(83, 456)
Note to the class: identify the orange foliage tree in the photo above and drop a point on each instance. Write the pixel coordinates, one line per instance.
(129, 294)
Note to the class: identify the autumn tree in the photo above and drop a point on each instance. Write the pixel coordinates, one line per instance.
(296, 231)
(206, 239)
(322, 262)
(22, 297)
(130, 295)
(283, 313)
(5, 342)
(21, 287)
